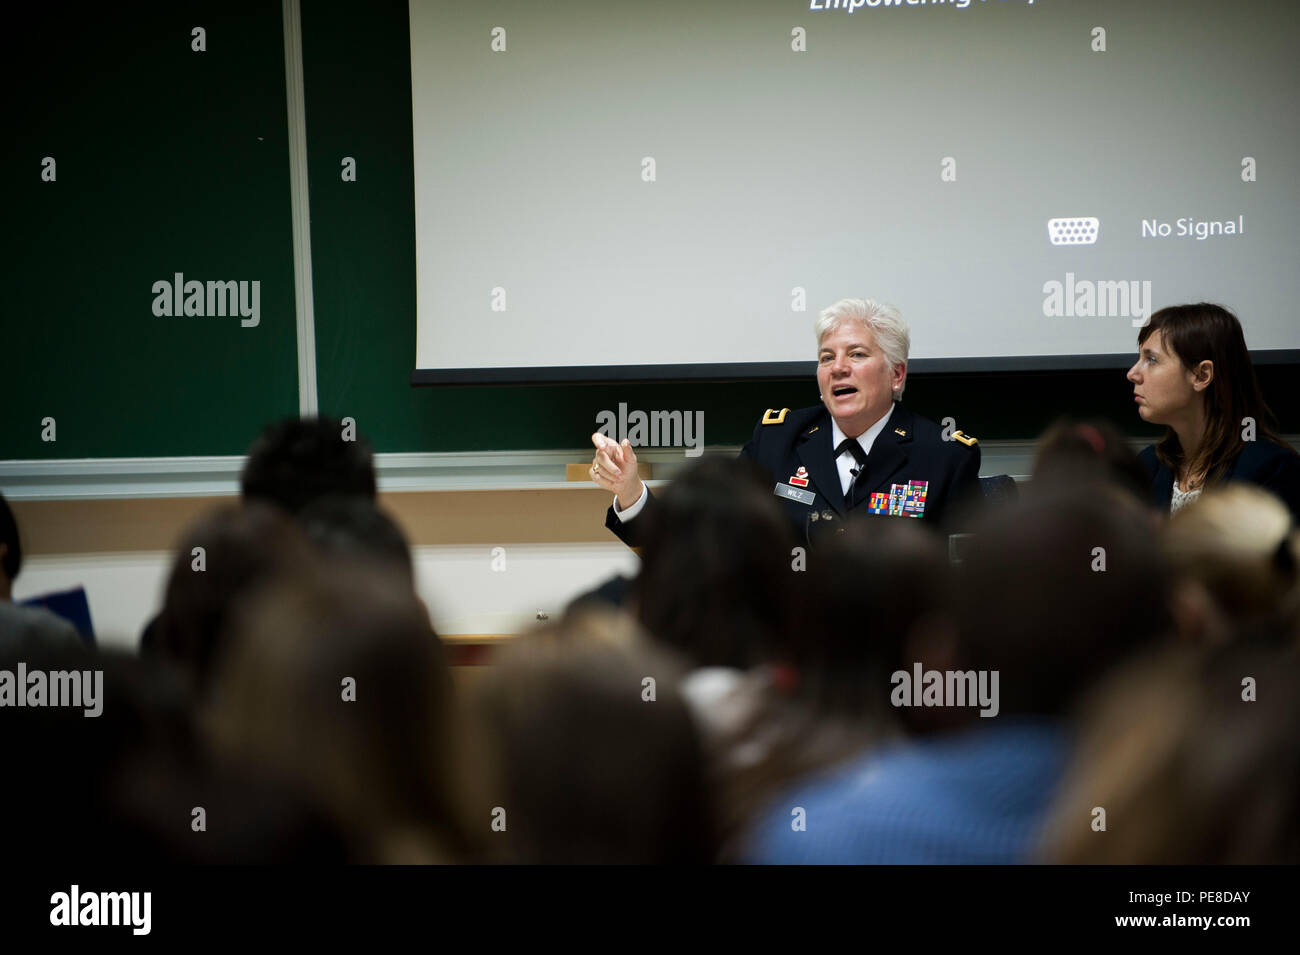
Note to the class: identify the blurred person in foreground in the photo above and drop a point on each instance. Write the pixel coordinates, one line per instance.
(298, 460)
(354, 528)
(1084, 453)
(123, 775)
(223, 558)
(1235, 557)
(1057, 590)
(337, 686)
(721, 584)
(787, 648)
(587, 752)
(719, 572)
(1187, 758)
(290, 465)
(1194, 375)
(870, 596)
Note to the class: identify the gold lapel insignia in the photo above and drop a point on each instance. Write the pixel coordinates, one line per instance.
(900, 432)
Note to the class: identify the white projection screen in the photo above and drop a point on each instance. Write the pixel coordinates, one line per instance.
(666, 189)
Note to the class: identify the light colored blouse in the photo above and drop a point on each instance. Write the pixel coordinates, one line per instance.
(1182, 498)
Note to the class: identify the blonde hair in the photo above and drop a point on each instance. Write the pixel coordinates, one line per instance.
(1236, 543)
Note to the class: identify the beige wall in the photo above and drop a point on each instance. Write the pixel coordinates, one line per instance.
(562, 515)
(556, 546)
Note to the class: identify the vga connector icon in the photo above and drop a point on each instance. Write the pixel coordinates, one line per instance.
(1080, 231)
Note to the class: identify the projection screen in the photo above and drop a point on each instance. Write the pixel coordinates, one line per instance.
(674, 189)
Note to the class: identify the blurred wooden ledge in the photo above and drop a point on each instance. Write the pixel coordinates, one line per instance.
(582, 471)
(560, 515)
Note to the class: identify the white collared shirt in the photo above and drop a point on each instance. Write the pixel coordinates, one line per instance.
(846, 461)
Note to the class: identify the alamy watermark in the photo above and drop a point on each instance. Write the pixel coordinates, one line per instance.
(179, 297)
(923, 687)
(76, 907)
(1102, 298)
(75, 688)
(656, 429)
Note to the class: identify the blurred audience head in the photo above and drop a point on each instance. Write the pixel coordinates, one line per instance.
(298, 460)
(134, 781)
(716, 580)
(1234, 555)
(874, 594)
(224, 558)
(591, 753)
(870, 595)
(1075, 453)
(115, 713)
(336, 683)
(1194, 758)
(355, 528)
(1056, 591)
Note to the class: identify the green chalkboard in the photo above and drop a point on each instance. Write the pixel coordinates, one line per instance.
(166, 159)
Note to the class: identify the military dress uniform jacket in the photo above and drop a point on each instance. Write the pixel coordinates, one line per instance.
(911, 472)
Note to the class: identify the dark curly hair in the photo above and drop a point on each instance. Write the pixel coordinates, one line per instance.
(296, 461)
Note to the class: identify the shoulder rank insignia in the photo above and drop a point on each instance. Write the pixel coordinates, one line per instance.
(772, 416)
(966, 439)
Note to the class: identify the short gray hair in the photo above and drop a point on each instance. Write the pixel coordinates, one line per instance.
(883, 321)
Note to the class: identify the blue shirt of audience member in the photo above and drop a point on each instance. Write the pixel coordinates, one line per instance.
(978, 796)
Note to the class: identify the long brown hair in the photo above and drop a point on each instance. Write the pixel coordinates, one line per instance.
(1197, 333)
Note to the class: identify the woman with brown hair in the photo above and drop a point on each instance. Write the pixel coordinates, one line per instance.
(1194, 375)
(336, 688)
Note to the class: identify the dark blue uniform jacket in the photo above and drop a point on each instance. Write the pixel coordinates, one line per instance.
(910, 451)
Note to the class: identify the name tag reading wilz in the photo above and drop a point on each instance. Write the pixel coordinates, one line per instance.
(795, 493)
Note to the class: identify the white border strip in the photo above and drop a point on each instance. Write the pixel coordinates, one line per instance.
(305, 305)
(91, 478)
(103, 478)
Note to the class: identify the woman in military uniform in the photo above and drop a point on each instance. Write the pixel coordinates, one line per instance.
(859, 453)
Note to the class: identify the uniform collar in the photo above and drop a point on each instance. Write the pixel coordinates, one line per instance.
(868, 437)
(887, 455)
